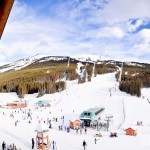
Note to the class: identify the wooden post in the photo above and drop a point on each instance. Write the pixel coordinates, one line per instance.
(42, 142)
(5, 8)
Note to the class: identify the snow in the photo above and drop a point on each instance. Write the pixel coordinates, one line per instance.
(70, 103)
(89, 58)
(78, 69)
(54, 58)
(8, 97)
(134, 64)
(22, 63)
(93, 72)
(134, 74)
(17, 65)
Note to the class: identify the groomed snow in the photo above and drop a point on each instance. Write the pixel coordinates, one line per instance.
(101, 91)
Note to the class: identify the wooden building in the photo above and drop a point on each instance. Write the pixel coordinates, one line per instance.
(131, 131)
(17, 104)
(5, 8)
(75, 124)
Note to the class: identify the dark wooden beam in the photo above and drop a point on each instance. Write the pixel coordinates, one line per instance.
(5, 8)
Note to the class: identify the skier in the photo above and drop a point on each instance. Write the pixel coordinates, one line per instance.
(85, 130)
(49, 121)
(77, 130)
(3, 145)
(28, 115)
(16, 122)
(53, 145)
(84, 144)
(13, 146)
(50, 126)
(95, 140)
(33, 143)
(39, 141)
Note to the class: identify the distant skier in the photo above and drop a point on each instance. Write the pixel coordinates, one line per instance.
(13, 146)
(95, 140)
(77, 130)
(53, 143)
(84, 144)
(50, 126)
(16, 122)
(33, 143)
(85, 130)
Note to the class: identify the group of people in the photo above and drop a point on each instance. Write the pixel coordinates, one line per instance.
(139, 123)
(52, 144)
(81, 130)
(85, 144)
(9, 147)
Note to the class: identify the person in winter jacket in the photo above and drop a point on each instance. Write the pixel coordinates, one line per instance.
(33, 143)
(84, 144)
(3, 145)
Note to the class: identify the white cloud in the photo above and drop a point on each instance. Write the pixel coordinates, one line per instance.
(140, 50)
(123, 10)
(111, 32)
(90, 27)
(145, 34)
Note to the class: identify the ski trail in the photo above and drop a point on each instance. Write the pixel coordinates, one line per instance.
(124, 114)
(93, 70)
(121, 72)
(68, 62)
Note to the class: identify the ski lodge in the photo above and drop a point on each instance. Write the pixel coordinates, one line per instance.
(75, 123)
(17, 104)
(131, 131)
(43, 103)
(91, 114)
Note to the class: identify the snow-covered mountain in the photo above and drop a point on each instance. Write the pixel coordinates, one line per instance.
(22, 63)
(19, 64)
(95, 59)
(90, 58)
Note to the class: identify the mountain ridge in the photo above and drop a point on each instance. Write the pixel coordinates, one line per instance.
(25, 62)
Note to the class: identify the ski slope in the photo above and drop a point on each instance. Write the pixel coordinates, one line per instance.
(101, 91)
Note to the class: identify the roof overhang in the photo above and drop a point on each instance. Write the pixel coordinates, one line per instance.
(5, 8)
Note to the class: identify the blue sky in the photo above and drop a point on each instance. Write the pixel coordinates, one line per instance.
(114, 29)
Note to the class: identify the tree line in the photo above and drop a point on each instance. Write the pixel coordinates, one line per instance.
(133, 79)
(49, 79)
